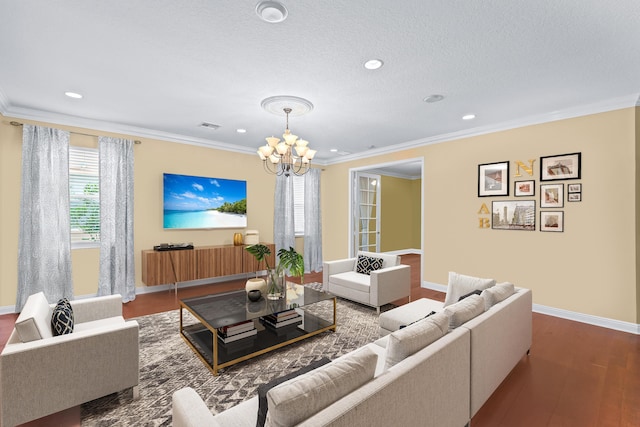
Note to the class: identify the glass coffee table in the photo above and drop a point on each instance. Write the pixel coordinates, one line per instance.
(228, 328)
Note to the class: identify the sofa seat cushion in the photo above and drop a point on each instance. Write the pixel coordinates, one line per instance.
(34, 322)
(407, 341)
(297, 399)
(109, 321)
(465, 310)
(497, 293)
(460, 285)
(392, 320)
(353, 280)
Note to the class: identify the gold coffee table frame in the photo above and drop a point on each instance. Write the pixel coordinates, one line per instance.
(219, 310)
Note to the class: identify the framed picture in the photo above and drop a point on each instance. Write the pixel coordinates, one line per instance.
(574, 197)
(514, 215)
(493, 179)
(574, 188)
(564, 166)
(552, 221)
(552, 196)
(524, 188)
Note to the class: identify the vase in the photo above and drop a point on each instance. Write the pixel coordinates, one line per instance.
(237, 239)
(275, 283)
(256, 283)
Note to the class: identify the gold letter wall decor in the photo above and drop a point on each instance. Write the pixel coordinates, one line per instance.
(484, 222)
(527, 169)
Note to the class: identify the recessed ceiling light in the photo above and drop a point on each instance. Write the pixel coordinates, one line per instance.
(73, 95)
(271, 11)
(209, 125)
(334, 150)
(241, 130)
(469, 117)
(373, 64)
(433, 98)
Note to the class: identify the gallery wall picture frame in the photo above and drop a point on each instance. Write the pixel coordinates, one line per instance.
(552, 221)
(574, 197)
(563, 166)
(551, 195)
(493, 179)
(513, 215)
(574, 188)
(524, 188)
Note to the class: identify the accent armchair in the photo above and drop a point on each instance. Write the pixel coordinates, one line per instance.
(41, 374)
(388, 282)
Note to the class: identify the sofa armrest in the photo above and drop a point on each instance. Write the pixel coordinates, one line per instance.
(95, 308)
(334, 267)
(189, 410)
(41, 377)
(390, 284)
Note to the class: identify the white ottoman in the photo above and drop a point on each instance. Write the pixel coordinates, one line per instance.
(391, 320)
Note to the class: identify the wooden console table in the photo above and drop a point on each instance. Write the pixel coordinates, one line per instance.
(203, 262)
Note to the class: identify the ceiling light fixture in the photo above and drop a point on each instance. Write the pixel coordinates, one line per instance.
(271, 11)
(433, 98)
(73, 95)
(373, 64)
(469, 117)
(241, 130)
(278, 158)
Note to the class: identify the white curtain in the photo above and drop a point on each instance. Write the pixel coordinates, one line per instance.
(117, 274)
(44, 246)
(312, 222)
(283, 222)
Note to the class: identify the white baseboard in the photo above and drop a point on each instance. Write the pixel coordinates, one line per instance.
(590, 319)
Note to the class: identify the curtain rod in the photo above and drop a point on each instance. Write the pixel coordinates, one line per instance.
(14, 123)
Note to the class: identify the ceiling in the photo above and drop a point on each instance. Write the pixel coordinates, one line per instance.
(159, 68)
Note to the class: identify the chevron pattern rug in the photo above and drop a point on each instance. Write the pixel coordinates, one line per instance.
(167, 364)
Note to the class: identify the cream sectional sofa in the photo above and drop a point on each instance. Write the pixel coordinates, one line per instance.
(442, 384)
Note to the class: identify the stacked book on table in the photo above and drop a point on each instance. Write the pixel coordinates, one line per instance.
(283, 318)
(237, 331)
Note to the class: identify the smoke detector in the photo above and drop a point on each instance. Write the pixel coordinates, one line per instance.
(271, 11)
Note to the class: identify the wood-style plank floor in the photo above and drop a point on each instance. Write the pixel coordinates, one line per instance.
(577, 374)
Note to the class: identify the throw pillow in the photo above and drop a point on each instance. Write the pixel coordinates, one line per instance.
(464, 310)
(62, 318)
(459, 284)
(296, 400)
(416, 321)
(405, 342)
(474, 292)
(264, 388)
(497, 293)
(366, 265)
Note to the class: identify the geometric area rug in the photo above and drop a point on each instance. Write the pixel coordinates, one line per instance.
(167, 364)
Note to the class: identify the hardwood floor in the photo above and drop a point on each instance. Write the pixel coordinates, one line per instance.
(577, 374)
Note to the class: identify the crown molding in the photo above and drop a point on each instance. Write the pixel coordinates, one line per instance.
(81, 122)
(569, 113)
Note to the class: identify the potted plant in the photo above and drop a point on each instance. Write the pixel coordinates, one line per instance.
(292, 261)
(275, 277)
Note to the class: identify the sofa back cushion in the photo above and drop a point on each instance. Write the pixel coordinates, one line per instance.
(460, 285)
(299, 398)
(407, 341)
(34, 322)
(497, 293)
(387, 259)
(464, 310)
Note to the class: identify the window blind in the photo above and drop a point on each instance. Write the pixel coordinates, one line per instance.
(84, 194)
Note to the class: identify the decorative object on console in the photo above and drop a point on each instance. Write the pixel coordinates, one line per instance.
(237, 239)
(277, 156)
(251, 237)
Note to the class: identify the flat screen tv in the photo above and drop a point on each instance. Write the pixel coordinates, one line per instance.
(195, 202)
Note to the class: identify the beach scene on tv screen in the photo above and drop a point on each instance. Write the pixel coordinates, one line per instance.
(200, 202)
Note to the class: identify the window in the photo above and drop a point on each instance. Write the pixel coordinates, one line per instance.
(298, 204)
(84, 196)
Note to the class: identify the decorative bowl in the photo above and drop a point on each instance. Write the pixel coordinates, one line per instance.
(254, 295)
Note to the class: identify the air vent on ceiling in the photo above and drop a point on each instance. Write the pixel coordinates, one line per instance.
(210, 125)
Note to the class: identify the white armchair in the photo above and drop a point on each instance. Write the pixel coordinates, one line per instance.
(389, 283)
(47, 374)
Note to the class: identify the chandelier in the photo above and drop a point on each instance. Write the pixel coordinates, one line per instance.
(278, 157)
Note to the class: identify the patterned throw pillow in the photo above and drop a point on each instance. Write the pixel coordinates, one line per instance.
(62, 318)
(366, 265)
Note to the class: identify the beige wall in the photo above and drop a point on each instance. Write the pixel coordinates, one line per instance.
(152, 158)
(399, 213)
(590, 268)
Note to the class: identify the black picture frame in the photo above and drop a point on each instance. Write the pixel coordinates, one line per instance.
(552, 221)
(561, 167)
(513, 215)
(524, 188)
(552, 195)
(493, 179)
